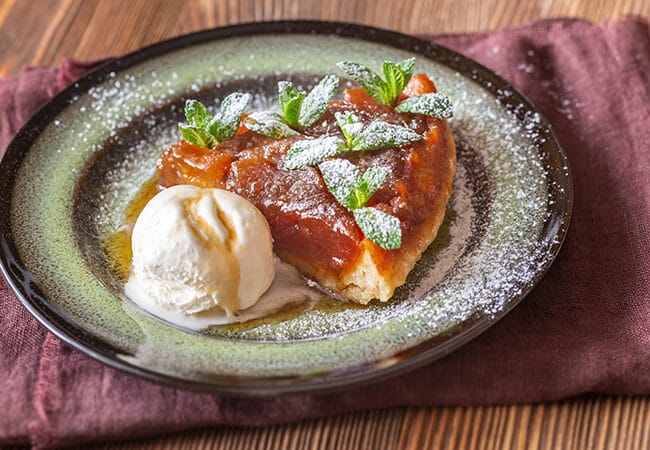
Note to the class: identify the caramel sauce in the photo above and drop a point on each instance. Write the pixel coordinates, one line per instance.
(118, 244)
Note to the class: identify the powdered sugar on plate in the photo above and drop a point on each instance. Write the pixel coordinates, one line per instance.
(485, 251)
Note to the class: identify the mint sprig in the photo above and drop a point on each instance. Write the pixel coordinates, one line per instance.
(376, 135)
(384, 91)
(434, 104)
(397, 76)
(205, 130)
(349, 187)
(226, 122)
(350, 126)
(353, 190)
(299, 109)
(197, 136)
(315, 103)
(290, 101)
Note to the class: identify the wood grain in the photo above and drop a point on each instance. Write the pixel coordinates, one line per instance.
(42, 31)
(36, 32)
(588, 422)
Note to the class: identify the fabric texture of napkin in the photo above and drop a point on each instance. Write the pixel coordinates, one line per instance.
(584, 328)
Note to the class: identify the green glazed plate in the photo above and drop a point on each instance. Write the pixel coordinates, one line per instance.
(69, 174)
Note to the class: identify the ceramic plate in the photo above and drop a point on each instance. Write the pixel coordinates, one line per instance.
(71, 171)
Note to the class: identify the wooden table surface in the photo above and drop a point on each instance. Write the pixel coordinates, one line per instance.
(43, 31)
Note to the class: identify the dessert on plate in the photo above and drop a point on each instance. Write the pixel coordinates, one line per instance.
(353, 189)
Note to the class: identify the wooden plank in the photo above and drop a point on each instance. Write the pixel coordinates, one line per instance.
(91, 29)
(587, 422)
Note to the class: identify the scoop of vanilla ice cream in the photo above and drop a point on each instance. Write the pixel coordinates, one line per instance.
(195, 249)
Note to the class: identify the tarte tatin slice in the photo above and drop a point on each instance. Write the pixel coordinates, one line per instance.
(311, 230)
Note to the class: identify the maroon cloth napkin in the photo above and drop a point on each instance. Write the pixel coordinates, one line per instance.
(584, 328)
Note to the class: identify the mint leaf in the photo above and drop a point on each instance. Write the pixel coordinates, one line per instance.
(349, 187)
(353, 190)
(381, 228)
(291, 100)
(345, 118)
(372, 180)
(384, 91)
(225, 124)
(407, 67)
(315, 104)
(196, 113)
(197, 136)
(367, 185)
(300, 110)
(309, 152)
(395, 80)
(367, 79)
(435, 104)
(207, 131)
(341, 178)
(379, 135)
(269, 124)
(397, 76)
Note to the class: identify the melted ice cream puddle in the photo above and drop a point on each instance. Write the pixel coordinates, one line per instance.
(288, 287)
